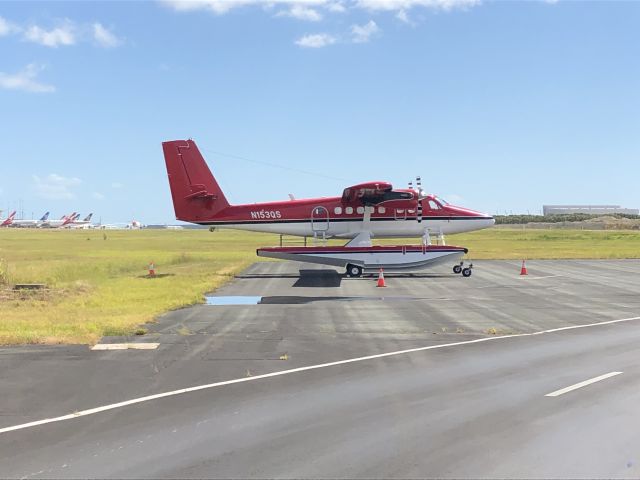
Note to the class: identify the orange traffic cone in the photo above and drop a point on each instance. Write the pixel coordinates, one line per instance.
(381, 279)
(152, 269)
(523, 270)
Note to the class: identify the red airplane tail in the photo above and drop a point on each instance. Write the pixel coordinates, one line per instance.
(195, 192)
(9, 219)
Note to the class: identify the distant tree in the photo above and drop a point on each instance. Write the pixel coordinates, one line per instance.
(571, 217)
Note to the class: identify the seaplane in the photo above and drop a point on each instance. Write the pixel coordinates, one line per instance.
(363, 212)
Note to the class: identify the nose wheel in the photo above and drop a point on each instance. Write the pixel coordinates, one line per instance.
(354, 271)
(461, 269)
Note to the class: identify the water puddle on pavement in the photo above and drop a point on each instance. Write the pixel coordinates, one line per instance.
(233, 300)
(295, 300)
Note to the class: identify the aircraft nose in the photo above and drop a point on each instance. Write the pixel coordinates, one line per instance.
(485, 219)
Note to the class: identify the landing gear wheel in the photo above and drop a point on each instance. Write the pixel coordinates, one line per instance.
(466, 272)
(354, 270)
(457, 269)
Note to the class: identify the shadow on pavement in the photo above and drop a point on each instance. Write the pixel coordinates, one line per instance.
(319, 278)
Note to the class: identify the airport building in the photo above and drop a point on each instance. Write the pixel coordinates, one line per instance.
(587, 209)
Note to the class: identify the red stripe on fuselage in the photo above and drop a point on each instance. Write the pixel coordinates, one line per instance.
(332, 209)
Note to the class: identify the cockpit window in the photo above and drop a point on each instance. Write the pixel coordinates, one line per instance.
(441, 201)
(433, 205)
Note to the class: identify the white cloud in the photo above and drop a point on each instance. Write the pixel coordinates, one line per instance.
(317, 10)
(55, 187)
(62, 35)
(67, 33)
(117, 185)
(336, 7)
(98, 196)
(104, 37)
(7, 28)
(220, 7)
(317, 40)
(25, 80)
(403, 17)
(301, 12)
(390, 5)
(362, 33)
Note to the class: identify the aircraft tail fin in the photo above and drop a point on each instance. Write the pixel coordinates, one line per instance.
(68, 219)
(88, 218)
(45, 217)
(195, 192)
(9, 219)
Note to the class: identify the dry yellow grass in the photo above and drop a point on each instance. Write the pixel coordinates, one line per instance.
(99, 287)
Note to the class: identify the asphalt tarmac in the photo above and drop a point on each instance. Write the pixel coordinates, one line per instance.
(473, 406)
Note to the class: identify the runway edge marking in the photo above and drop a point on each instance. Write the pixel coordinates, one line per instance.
(134, 401)
(584, 383)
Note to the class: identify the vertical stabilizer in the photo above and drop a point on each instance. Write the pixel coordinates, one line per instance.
(196, 194)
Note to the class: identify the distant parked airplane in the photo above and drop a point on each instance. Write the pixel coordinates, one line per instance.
(31, 223)
(65, 220)
(75, 223)
(133, 225)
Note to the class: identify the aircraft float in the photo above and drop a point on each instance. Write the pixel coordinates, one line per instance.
(364, 211)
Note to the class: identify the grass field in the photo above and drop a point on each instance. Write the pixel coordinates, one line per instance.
(99, 287)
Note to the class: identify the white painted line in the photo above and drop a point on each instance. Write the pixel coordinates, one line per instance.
(172, 393)
(125, 346)
(576, 386)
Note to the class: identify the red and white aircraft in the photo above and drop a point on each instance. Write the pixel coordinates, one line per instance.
(63, 222)
(9, 220)
(364, 211)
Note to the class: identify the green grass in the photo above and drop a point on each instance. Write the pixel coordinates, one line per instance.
(549, 244)
(99, 287)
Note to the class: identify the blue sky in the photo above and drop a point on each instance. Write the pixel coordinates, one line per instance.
(500, 106)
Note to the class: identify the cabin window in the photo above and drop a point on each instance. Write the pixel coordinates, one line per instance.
(433, 205)
(360, 210)
(337, 210)
(381, 209)
(348, 210)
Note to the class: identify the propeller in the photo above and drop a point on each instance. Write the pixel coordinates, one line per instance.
(419, 185)
(421, 195)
